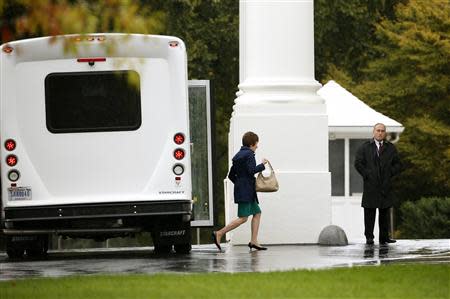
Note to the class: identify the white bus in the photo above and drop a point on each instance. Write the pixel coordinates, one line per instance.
(95, 140)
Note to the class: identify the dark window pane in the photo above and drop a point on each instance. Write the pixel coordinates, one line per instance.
(356, 181)
(337, 166)
(93, 101)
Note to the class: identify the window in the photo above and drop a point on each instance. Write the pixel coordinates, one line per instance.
(92, 101)
(356, 181)
(337, 166)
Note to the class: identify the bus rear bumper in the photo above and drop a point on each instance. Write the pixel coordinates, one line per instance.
(36, 217)
(92, 231)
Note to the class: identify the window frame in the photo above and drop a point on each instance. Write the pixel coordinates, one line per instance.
(341, 164)
(347, 164)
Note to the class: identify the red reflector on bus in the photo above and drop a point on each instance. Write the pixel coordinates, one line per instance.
(91, 59)
(178, 154)
(10, 145)
(8, 49)
(11, 160)
(178, 138)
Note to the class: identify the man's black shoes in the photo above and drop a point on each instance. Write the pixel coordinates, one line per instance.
(384, 242)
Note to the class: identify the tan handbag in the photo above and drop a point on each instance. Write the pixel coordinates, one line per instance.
(267, 183)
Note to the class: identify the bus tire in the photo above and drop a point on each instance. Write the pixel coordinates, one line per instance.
(15, 252)
(35, 252)
(182, 248)
(39, 248)
(162, 249)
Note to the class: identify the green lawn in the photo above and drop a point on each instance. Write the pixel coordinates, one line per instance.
(390, 281)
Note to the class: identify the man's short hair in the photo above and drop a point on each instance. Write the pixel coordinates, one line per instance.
(377, 124)
(249, 139)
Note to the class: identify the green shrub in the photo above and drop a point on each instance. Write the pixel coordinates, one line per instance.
(427, 218)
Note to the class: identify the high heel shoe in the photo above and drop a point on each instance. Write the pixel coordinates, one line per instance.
(250, 245)
(214, 238)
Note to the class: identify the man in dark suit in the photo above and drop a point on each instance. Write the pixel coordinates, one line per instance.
(377, 161)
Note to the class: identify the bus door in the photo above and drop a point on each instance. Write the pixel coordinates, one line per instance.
(200, 120)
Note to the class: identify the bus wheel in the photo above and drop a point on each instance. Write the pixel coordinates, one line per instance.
(162, 249)
(39, 248)
(15, 252)
(182, 248)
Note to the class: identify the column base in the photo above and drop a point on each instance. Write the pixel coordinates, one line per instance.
(296, 214)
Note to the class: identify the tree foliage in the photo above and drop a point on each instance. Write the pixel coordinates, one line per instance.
(427, 218)
(34, 18)
(344, 33)
(410, 81)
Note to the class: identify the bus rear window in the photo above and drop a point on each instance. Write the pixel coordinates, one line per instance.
(92, 101)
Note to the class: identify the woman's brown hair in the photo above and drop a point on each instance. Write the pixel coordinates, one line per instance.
(249, 139)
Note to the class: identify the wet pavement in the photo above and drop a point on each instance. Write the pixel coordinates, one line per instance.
(206, 258)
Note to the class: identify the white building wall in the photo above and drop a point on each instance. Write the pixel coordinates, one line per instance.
(348, 214)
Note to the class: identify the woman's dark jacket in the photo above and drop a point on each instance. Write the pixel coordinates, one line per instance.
(377, 172)
(242, 174)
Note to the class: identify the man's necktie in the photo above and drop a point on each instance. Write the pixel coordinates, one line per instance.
(380, 148)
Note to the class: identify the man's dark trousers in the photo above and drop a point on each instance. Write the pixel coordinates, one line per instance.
(383, 223)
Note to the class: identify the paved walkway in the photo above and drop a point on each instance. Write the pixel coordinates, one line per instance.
(206, 258)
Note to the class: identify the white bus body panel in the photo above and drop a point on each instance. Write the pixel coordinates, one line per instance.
(96, 167)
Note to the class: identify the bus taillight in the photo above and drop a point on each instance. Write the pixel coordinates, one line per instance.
(178, 138)
(11, 160)
(179, 154)
(10, 145)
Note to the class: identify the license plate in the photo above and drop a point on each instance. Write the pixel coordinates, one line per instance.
(19, 193)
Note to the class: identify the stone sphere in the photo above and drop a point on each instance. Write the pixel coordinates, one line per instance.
(333, 235)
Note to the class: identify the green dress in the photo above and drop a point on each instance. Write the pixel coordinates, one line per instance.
(246, 209)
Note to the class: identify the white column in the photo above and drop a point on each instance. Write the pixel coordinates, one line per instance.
(277, 100)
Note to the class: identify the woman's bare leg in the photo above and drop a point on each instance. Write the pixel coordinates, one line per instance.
(232, 225)
(255, 228)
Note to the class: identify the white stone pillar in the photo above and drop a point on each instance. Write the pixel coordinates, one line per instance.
(277, 100)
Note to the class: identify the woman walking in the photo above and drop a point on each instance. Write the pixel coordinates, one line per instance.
(242, 174)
